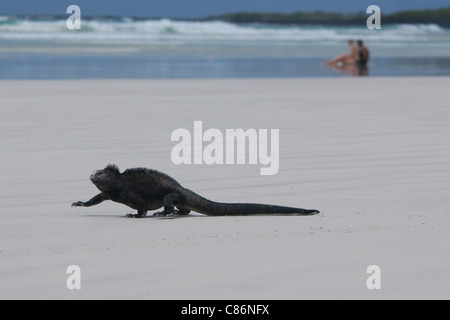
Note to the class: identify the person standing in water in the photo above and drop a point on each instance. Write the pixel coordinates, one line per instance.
(363, 54)
(363, 58)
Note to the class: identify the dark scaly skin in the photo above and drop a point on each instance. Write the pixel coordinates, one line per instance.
(146, 189)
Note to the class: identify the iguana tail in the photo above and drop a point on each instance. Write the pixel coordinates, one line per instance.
(202, 205)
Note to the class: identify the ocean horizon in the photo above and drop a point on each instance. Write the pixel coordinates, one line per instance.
(164, 48)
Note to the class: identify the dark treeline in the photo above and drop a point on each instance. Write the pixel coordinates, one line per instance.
(439, 16)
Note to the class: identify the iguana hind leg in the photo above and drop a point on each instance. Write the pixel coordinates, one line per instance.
(170, 201)
(182, 210)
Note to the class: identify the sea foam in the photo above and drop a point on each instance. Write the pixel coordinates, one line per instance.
(127, 29)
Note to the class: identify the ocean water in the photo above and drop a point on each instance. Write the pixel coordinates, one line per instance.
(126, 48)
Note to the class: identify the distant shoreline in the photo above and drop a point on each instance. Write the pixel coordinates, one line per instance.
(440, 17)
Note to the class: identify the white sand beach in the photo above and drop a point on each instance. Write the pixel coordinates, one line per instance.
(371, 154)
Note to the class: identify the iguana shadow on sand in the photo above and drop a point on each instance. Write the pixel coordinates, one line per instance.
(146, 189)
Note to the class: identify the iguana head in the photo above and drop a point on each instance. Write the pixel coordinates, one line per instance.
(106, 178)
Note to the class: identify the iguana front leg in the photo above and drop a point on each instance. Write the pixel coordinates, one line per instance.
(135, 201)
(94, 201)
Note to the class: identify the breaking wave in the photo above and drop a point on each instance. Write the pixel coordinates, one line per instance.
(125, 30)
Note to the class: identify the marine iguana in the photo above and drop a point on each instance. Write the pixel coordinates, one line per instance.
(145, 189)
